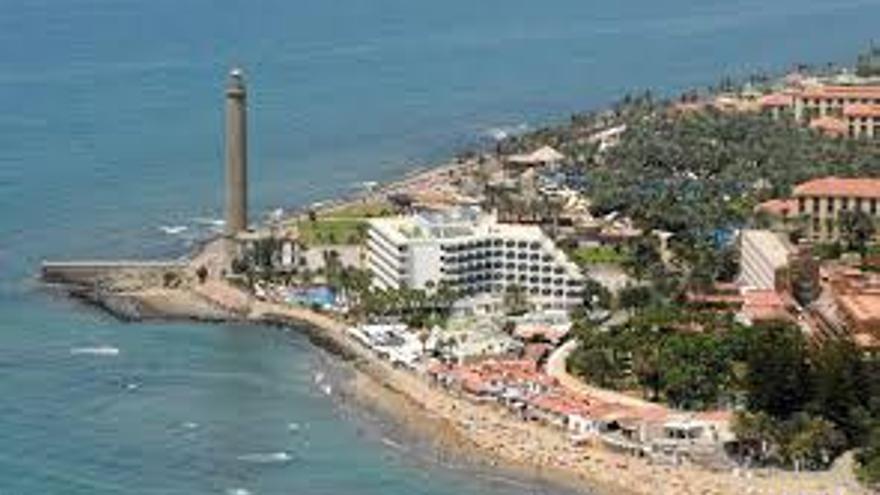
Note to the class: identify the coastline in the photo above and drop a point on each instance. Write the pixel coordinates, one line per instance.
(490, 433)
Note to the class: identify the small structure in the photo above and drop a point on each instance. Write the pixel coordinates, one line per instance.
(546, 156)
(542, 326)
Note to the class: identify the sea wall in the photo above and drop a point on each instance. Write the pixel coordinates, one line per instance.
(91, 272)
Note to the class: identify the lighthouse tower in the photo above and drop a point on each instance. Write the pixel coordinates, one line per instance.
(236, 154)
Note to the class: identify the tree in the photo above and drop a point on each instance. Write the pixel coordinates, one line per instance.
(840, 387)
(634, 297)
(694, 370)
(596, 296)
(868, 459)
(758, 435)
(811, 442)
(645, 259)
(856, 229)
(777, 376)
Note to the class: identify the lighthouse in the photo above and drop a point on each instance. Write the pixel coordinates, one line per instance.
(236, 154)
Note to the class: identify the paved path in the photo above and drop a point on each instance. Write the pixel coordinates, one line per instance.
(556, 368)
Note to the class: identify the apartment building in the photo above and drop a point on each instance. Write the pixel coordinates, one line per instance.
(472, 253)
(820, 201)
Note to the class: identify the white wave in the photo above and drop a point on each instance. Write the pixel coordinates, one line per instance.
(327, 389)
(503, 132)
(238, 491)
(293, 426)
(319, 377)
(173, 229)
(103, 350)
(190, 425)
(391, 443)
(132, 386)
(215, 222)
(266, 457)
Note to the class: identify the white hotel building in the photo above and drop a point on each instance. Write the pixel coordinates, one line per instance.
(472, 253)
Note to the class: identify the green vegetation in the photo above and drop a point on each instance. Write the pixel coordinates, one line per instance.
(803, 404)
(343, 225)
(600, 254)
(332, 230)
(695, 173)
(363, 210)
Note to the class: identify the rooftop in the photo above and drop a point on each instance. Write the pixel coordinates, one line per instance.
(780, 207)
(775, 100)
(545, 154)
(839, 187)
(829, 125)
(841, 91)
(861, 110)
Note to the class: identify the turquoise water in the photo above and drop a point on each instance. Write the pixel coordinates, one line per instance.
(110, 115)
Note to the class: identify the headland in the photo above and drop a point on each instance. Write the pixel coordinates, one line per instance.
(561, 430)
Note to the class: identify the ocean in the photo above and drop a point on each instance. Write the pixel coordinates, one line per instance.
(110, 146)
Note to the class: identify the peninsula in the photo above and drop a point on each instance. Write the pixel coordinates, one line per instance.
(672, 296)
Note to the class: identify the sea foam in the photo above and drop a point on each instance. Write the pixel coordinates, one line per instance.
(266, 457)
(96, 351)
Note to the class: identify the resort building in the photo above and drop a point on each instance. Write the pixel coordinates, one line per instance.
(822, 100)
(471, 253)
(821, 201)
(762, 255)
(862, 121)
(777, 104)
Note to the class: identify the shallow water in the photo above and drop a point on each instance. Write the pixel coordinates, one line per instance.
(110, 127)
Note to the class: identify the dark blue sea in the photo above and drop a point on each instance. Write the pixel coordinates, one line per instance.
(110, 130)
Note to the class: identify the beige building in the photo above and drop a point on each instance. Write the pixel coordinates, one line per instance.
(817, 101)
(862, 120)
(820, 202)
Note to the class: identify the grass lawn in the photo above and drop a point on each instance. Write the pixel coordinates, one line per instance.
(363, 210)
(332, 230)
(600, 254)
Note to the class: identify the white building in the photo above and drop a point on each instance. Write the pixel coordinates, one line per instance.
(762, 254)
(472, 253)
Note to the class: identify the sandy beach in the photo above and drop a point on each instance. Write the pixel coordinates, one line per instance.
(504, 438)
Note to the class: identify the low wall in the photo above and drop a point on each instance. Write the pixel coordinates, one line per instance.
(88, 272)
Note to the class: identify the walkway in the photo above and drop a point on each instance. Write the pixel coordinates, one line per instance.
(556, 368)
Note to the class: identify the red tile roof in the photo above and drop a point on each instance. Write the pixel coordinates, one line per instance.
(839, 187)
(832, 91)
(829, 125)
(861, 110)
(775, 100)
(779, 207)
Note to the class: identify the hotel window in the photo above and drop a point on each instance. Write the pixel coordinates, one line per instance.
(858, 204)
(873, 206)
(830, 203)
(844, 204)
(815, 206)
(802, 206)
